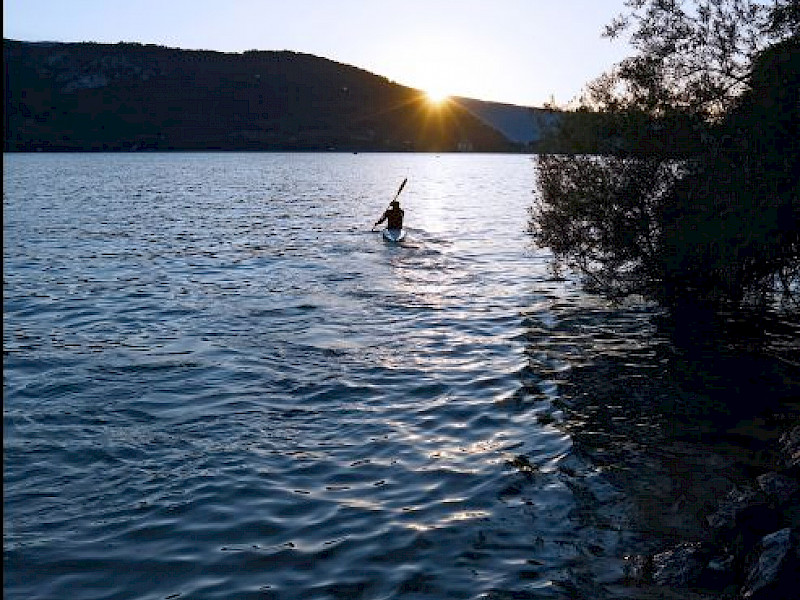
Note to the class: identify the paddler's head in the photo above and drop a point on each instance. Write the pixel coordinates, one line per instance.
(395, 204)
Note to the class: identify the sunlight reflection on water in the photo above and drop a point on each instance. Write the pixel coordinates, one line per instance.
(218, 383)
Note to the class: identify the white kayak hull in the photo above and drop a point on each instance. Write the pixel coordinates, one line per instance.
(394, 235)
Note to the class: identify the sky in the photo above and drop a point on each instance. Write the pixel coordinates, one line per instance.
(525, 52)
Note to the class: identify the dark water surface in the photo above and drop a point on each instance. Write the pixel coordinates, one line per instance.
(219, 384)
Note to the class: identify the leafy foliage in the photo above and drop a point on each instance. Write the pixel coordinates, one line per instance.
(732, 225)
(694, 56)
(693, 194)
(603, 217)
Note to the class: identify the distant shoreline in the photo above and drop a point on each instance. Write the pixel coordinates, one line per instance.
(263, 151)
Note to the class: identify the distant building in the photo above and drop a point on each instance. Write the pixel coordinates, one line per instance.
(465, 146)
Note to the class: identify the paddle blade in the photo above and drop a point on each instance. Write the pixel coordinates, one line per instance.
(402, 185)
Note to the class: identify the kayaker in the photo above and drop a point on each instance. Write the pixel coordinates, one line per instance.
(393, 216)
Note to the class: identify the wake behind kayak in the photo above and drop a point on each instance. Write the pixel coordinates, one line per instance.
(394, 235)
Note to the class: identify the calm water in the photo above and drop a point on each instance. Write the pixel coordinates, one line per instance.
(219, 383)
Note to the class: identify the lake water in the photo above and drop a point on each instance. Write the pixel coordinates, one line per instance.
(219, 383)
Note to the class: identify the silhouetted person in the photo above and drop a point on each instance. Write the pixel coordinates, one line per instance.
(393, 216)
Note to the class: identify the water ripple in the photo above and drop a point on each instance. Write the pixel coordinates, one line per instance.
(219, 384)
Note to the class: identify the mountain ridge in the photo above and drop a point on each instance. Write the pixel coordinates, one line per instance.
(526, 125)
(129, 96)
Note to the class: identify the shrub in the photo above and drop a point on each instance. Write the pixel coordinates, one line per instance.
(693, 202)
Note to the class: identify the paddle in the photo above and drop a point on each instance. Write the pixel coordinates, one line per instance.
(400, 189)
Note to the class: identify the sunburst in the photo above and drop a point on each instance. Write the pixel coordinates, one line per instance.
(436, 95)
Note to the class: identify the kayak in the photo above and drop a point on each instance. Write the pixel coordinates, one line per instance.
(394, 235)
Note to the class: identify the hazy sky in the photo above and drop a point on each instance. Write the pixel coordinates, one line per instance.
(517, 51)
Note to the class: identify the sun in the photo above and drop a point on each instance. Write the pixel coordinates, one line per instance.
(436, 95)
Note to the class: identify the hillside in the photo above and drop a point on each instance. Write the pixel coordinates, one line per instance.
(127, 96)
(519, 124)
